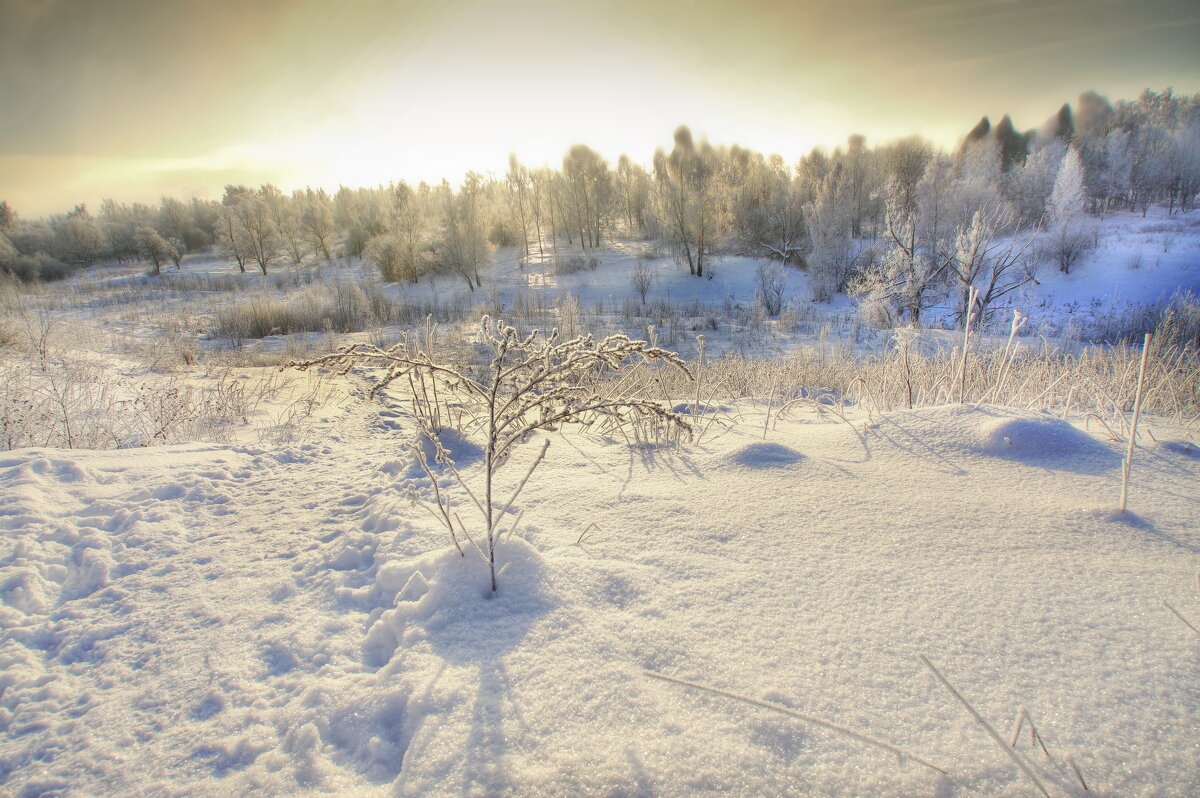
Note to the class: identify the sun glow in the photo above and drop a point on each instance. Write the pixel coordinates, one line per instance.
(465, 98)
(134, 100)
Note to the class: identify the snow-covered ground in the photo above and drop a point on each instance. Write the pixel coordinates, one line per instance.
(223, 620)
(242, 614)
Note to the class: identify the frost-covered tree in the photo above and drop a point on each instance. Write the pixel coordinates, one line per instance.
(254, 232)
(1149, 170)
(1031, 183)
(8, 218)
(516, 180)
(633, 193)
(231, 237)
(862, 183)
(316, 221)
(908, 278)
(175, 221)
(154, 248)
(903, 163)
(976, 186)
(1183, 165)
(589, 191)
(120, 224)
(79, 239)
(687, 181)
(285, 219)
(938, 210)
(991, 257)
(831, 250)
(1066, 235)
(767, 214)
(462, 247)
(769, 284)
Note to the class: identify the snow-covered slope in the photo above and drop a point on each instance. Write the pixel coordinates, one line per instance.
(204, 620)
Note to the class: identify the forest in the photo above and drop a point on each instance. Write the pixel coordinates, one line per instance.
(900, 224)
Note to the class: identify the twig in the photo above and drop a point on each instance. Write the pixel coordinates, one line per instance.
(415, 576)
(1178, 615)
(585, 532)
(1034, 736)
(792, 713)
(467, 532)
(513, 528)
(987, 726)
(1137, 412)
(1078, 774)
(529, 473)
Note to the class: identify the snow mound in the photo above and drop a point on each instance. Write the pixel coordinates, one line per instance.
(1046, 441)
(764, 455)
(1185, 448)
(949, 432)
(445, 598)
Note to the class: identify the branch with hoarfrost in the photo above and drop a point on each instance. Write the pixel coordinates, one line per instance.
(532, 383)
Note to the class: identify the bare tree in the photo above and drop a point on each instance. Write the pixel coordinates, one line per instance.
(640, 280)
(687, 184)
(590, 190)
(907, 279)
(769, 281)
(154, 248)
(79, 239)
(992, 258)
(463, 247)
(831, 250)
(254, 231)
(285, 218)
(316, 222)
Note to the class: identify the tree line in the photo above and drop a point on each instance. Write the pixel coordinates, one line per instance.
(900, 223)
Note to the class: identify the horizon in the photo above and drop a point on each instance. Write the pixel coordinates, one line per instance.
(132, 102)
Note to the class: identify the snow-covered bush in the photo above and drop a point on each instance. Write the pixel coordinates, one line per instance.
(769, 282)
(575, 263)
(531, 383)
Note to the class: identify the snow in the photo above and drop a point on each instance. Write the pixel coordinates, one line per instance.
(274, 612)
(212, 620)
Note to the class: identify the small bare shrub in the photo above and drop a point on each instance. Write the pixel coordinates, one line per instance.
(769, 282)
(532, 383)
(640, 280)
(574, 264)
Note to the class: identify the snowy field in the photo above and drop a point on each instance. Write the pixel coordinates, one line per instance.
(200, 619)
(264, 604)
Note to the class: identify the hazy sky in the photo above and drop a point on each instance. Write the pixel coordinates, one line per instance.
(133, 98)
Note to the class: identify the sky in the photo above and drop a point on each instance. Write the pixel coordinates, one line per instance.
(135, 98)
